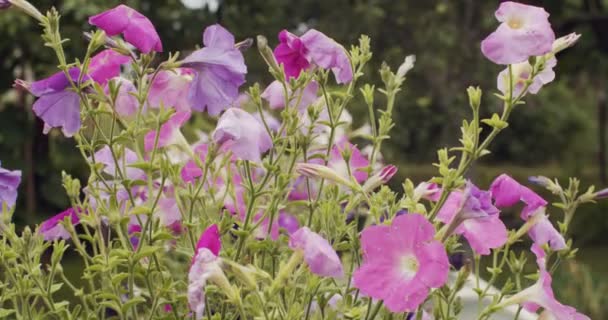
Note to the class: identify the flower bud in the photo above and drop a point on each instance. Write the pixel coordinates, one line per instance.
(564, 42)
(383, 176)
(406, 66)
(312, 170)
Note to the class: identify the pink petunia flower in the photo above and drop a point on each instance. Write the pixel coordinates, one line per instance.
(134, 26)
(169, 132)
(474, 216)
(540, 295)
(171, 89)
(357, 163)
(524, 31)
(521, 74)
(319, 255)
(312, 48)
(401, 262)
(52, 229)
(219, 71)
(206, 266)
(275, 95)
(239, 132)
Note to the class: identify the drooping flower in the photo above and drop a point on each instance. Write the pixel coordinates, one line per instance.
(124, 159)
(171, 89)
(169, 132)
(507, 192)
(521, 74)
(59, 106)
(9, 182)
(472, 214)
(239, 132)
(219, 70)
(134, 26)
(319, 255)
(275, 95)
(52, 229)
(313, 48)
(206, 266)
(401, 262)
(540, 295)
(524, 31)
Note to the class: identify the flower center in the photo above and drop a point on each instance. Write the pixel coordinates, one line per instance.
(409, 266)
(515, 23)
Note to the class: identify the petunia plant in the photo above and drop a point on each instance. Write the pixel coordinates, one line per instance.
(210, 200)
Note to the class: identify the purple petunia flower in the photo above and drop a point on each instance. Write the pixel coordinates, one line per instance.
(171, 89)
(128, 156)
(219, 70)
(169, 132)
(319, 255)
(239, 132)
(9, 181)
(312, 48)
(52, 229)
(134, 26)
(59, 106)
(476, 218)
(524, 31)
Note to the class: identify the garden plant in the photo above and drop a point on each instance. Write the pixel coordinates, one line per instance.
(209, 200)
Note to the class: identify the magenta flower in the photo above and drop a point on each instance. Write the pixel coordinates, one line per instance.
(275, 95)
(57, 105)
(524, 31)
(171, 89)
(239, 132)
(288, 222)
(191, 171)
(521, 74)
(134, 26)
(507, 192)
(313, 48)
(319, 255)
(52, 229)
(219, 70)
(401, 262)
(9, 182)
(169, 132)
(472, 214)
(540, 295)
(205, 265)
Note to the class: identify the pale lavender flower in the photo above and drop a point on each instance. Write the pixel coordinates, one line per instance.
(169, 132)
(524, 31)
(319, 255)
(239, 132)
(219, 71)
(275, 95)
(521, 74)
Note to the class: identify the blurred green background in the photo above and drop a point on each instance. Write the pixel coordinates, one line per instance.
(559, 133)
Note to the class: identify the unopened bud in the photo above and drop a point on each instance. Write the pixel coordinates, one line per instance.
(312, 170)
(406, 66)
(564, 42)
(379, 178)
